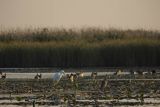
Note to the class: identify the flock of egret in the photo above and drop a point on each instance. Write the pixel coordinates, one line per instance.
(73, 76)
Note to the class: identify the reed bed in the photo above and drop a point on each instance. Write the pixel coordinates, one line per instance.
(90, 47)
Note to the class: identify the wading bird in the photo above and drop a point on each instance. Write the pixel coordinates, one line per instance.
(58, 76)
(94, 75)
(72, 77)
(3, 75)
(80, 74)
(153, 72)
(119, 72)
(38, 76)
(104, 83)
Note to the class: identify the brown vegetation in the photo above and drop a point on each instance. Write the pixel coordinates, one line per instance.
(91, 47)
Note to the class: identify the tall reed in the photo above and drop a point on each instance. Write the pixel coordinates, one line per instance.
(91, 47)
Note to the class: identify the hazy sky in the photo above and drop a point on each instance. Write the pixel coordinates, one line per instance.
(77, 13)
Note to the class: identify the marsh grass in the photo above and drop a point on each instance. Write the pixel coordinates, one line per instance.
(90, 47)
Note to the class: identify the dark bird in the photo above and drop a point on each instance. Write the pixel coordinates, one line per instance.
(3, 75)
(94, 75)
(103, 84)
(38, 76)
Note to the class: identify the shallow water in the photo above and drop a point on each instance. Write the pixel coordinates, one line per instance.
(31, 75)
(48, 75)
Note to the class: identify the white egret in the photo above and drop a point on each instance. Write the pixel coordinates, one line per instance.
(58, 75)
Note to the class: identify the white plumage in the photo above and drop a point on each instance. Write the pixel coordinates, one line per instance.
(58, 75)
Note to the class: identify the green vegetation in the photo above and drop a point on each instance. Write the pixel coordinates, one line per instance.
(90, 47)
(18, 98)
